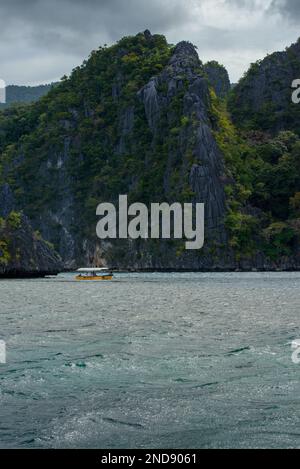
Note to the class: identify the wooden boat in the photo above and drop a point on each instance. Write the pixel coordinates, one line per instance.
(93, 273)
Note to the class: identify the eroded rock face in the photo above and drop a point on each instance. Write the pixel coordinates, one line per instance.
(262, 98)
(148, 131)
(149, 96)
(182, 81)
(23, 253)
(218, 78)
(7, 201)
(184, 57)
(185, 75)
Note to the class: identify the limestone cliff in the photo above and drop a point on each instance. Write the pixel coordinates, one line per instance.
(23, 253)
(263, 97)
(141, 118)
(218, 77)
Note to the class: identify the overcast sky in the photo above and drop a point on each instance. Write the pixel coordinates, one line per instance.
(41, 40)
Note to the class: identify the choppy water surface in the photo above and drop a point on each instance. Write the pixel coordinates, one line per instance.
(151, 360)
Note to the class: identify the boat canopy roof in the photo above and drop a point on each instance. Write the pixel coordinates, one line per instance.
(92, 269)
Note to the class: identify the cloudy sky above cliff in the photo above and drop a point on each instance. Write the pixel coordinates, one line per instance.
(41, 40)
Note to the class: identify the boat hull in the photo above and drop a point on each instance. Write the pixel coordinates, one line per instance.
(97, 278)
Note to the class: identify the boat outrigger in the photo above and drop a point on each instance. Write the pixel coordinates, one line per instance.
(93, 273)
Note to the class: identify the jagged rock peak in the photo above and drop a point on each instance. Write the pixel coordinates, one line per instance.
(185, 49)
(218, 78)
(147, 35)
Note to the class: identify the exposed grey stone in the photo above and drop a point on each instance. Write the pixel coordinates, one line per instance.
(29, 254)
(148, 94)
(7, 201)
(218, 78)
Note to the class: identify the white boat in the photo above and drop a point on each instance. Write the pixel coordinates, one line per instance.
(94, 273)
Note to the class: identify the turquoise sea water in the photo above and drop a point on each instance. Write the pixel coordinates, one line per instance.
(151, 361)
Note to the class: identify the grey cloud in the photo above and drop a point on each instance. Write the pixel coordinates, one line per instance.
(287, 8)
(36, 28)
(241, 3)
(41, 40)
(90, 16)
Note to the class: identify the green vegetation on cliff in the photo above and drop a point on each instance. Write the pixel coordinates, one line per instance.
(262, 100)
(93, 137)
(147, 119)
(77, 125)
(16, 94)
(269, 122)
(218, 78)
(264, 186)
